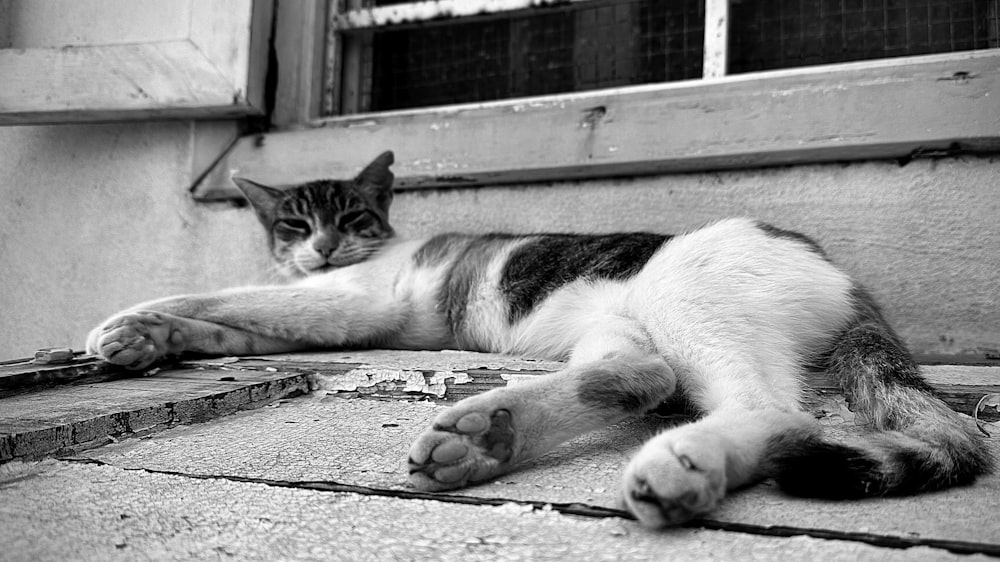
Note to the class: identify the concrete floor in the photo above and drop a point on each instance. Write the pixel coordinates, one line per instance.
(319, 477)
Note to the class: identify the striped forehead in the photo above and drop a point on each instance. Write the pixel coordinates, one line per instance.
(324, 199)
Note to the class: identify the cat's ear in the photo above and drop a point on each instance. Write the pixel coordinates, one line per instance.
(263, 198)
(376, 180)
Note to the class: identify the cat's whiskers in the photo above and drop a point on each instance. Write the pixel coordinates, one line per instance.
(278, 274)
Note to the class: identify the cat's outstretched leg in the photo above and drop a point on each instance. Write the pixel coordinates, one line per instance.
(487, 435)
(684, 472)
(137, 339)
(246, 321)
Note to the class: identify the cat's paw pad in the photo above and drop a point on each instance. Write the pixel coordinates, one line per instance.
(671, 481)
(462, 447)
(134, 339)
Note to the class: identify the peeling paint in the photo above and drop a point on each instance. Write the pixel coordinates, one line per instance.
(424, 361)
(436, 383)
(398, 379)
(514, 380)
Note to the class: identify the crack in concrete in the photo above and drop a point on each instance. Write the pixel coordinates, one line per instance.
(584, 510)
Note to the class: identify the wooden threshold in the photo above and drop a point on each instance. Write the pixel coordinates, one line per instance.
(50, 410)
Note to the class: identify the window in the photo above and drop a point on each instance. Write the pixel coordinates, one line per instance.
(567, 47)
(477, 92)
(785, 34)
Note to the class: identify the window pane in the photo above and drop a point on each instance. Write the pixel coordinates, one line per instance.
(773, 34)
(566, 48)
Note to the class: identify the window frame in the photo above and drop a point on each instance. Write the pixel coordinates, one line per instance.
(216, 71)
(840, 112)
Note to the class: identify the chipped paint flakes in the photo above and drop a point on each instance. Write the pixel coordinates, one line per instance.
(398, 380)
(514, 380)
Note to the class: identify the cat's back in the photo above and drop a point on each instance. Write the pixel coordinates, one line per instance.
(744, 284)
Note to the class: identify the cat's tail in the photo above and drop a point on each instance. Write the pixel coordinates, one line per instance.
(919, 443)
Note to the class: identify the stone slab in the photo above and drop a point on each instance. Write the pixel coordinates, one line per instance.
(54, 511)
(363, 443)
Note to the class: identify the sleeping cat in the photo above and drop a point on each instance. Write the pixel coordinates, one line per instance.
(728, 317)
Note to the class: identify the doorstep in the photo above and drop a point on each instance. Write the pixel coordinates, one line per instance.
(48, 410)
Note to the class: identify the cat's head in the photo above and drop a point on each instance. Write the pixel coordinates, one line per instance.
(321, 225)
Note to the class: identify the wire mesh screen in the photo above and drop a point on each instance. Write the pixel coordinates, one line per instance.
(789, 33)
(566, 48)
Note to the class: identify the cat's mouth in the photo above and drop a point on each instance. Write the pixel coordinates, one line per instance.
(324, 268)
(330, 266)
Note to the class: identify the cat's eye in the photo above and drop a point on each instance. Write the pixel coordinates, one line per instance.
(297, 225)
(686, 462)
(357, 220)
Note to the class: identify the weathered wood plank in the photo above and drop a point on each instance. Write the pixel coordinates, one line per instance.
(716, 53)
(234, 36)
(856, 111)
(169, 79)
(6, 23)
(51, 421)
(960, 387)
(299, 44)
(426, 375)
(37, 421)
(26, 375)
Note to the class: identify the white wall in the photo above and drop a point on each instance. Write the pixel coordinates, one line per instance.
(97, 217)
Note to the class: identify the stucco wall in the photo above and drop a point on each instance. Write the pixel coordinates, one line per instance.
(97, 217)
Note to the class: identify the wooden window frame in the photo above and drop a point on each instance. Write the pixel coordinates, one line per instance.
(880, 109)
(216, 71)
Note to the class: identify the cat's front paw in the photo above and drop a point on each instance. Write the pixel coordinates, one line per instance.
(134, 340)
(465, 445)
(674, 478)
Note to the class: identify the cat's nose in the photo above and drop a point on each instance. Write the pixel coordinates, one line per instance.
(325, 245)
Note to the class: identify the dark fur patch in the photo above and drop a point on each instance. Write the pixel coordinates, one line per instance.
(816, 468)
(550, 261)
(776, 232)
(631, 386)
(869, 347)
(811, 467)
(922, 472)
(466, 274)
(883, 384)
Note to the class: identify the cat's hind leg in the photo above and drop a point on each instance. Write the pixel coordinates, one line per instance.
(685, 472)
(487, 435)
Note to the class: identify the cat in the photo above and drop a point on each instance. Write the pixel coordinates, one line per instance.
(727, 316)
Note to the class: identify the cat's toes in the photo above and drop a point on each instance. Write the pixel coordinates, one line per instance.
(671, 481)
(462, 447)
(134, 340)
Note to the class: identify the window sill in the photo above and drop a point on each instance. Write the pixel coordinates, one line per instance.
(891, 108)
